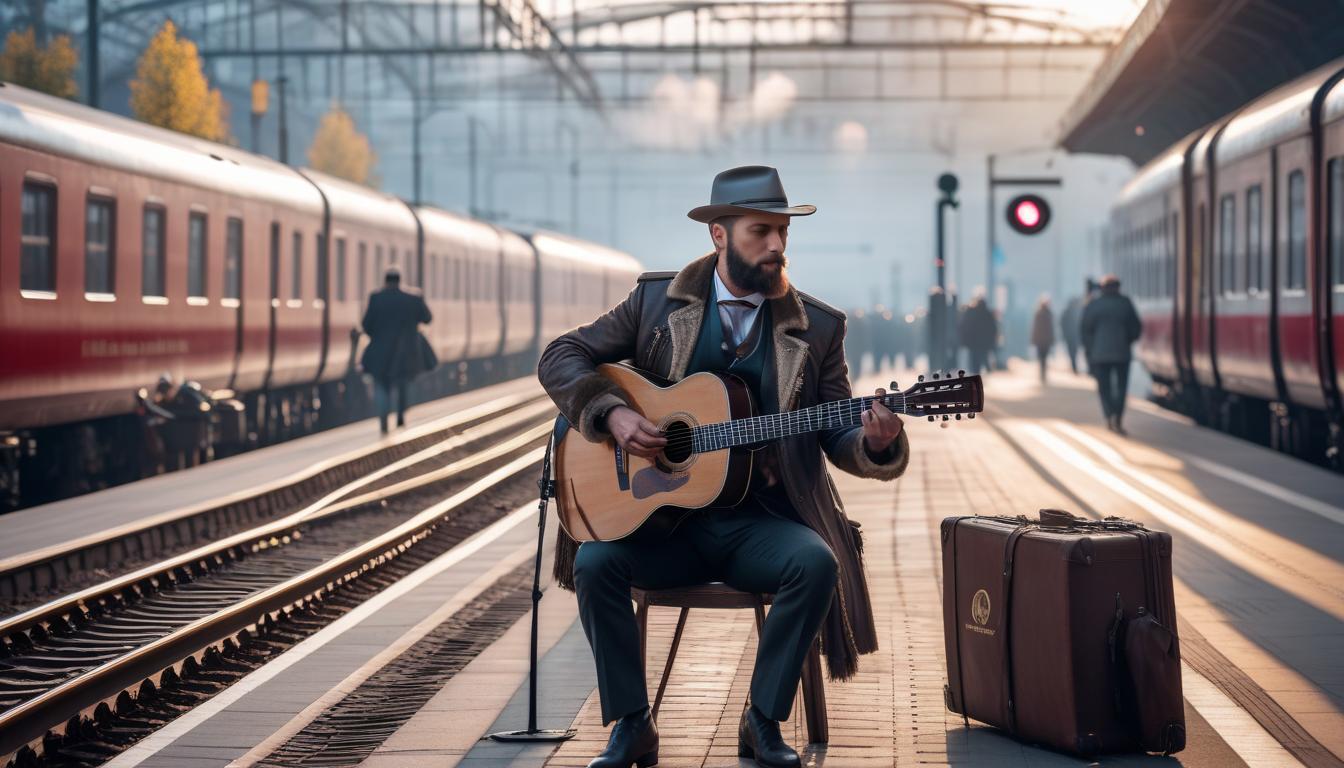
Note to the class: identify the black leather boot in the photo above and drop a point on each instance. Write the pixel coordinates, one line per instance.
(758, 737)
(634, 739)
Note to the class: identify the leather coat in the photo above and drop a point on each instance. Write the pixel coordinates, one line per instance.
(656, 327)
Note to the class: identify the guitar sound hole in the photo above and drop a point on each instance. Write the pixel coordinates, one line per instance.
(678, 434)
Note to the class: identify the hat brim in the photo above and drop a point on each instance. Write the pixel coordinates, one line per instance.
(708, 213)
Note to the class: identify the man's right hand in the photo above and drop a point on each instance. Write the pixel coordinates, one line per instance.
(634, 433)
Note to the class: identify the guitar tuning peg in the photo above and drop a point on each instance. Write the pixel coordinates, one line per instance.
(944, 417)
(935, 375)
(960, 373)
(921, 377)
(970, 415)
(958, 417)
(931, 417)
(895, 387)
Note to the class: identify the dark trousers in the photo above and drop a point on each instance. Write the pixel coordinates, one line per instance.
(747, 548)
(977, 359)
(382, 396)
(1043, 357)
(1073, 354)
(1112, 383)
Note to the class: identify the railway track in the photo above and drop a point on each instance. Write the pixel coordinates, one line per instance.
(36, 577)
(83, 676)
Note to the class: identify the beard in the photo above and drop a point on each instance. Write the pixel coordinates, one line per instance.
(756, 277)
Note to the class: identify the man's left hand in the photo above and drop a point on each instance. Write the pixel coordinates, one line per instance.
(881, 427)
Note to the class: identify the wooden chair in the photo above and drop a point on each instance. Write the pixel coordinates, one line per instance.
(720, 595)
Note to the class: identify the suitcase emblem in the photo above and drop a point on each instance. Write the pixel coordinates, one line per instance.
(980, 608)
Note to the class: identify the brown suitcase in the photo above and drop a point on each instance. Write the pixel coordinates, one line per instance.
(1062, 631)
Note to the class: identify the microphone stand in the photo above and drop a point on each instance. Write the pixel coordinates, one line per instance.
(534, 734)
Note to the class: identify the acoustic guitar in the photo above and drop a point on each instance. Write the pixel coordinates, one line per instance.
(713, 430)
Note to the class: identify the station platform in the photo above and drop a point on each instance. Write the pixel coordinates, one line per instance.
(1258, 563)
(57, 524)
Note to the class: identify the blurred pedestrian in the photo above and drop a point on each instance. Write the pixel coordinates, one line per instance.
(1043, 332)
(1070, 320)
(978, 332)
(1109, 326)
(397, 352)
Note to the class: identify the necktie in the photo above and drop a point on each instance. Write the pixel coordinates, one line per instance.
(734, 318)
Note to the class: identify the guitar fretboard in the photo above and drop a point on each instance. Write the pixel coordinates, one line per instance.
(840, 413)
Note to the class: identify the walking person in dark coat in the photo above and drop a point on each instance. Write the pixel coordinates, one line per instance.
(1110, 325)
(978, 332)
(1070, 320)
(394, 355)
(1043, 332)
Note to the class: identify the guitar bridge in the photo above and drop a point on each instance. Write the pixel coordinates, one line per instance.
(622, 470)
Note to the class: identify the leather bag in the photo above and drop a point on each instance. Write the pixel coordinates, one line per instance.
(1061, 631)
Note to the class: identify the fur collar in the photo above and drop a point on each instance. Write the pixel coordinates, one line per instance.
(692, 284)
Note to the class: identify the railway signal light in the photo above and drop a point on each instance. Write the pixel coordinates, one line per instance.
(1028, 214)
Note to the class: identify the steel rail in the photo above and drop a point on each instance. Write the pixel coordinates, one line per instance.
(274, 532)
(28, 723)
(67, 557)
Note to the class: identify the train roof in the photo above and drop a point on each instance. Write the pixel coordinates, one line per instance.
(440, 224)
(564, 246)
(1333, 109)
(357, 203)
(67, 129)
(1159, 174)
(1281, 114)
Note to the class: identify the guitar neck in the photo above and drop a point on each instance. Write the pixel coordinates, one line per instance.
(833, 415)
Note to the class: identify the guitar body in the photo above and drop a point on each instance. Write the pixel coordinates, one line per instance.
(606, 494)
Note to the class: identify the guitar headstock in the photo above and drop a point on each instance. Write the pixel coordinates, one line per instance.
(945, 395)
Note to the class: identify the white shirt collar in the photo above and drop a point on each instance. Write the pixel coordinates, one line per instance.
(721, 292)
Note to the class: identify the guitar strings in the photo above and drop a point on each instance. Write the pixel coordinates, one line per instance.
(848, 409)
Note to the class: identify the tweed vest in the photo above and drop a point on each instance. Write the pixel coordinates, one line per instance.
(714, 352)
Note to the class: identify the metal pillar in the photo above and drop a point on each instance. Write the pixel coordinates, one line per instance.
(92, 59)
(280, 83)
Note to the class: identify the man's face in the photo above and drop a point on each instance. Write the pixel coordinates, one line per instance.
(755, 252)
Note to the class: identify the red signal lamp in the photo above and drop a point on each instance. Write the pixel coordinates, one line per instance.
(1028, 214)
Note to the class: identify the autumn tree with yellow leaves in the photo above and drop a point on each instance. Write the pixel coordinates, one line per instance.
(339, 148)
(50, 69)
(171, 91)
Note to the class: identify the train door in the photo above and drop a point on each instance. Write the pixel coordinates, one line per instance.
(1297, 334)
(274, 293)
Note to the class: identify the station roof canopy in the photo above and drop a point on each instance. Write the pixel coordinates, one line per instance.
(1186, 63)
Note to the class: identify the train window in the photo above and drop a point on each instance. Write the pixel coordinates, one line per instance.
(152, 253)
(363, 271)
(1255, 268)
(322, 264)
(1296, 277)
(37, 266)
(233, 259)
(1334, 217)
(1227, 245)
(340, 269)
(1172, 254)
(196, 255)
(1201, 255)
(99, 247)
(296, 262)
(275, 262)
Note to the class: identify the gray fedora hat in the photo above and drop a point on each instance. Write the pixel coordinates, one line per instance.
(747, 189)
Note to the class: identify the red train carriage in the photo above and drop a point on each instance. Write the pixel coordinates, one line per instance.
(127, 251)
(1259, 267)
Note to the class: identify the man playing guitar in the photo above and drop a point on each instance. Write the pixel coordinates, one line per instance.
(731, 311)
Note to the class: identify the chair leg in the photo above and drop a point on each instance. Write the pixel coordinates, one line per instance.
(671, 656)
(814, 698)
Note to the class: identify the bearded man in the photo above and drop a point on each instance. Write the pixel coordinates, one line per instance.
(731, 311)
